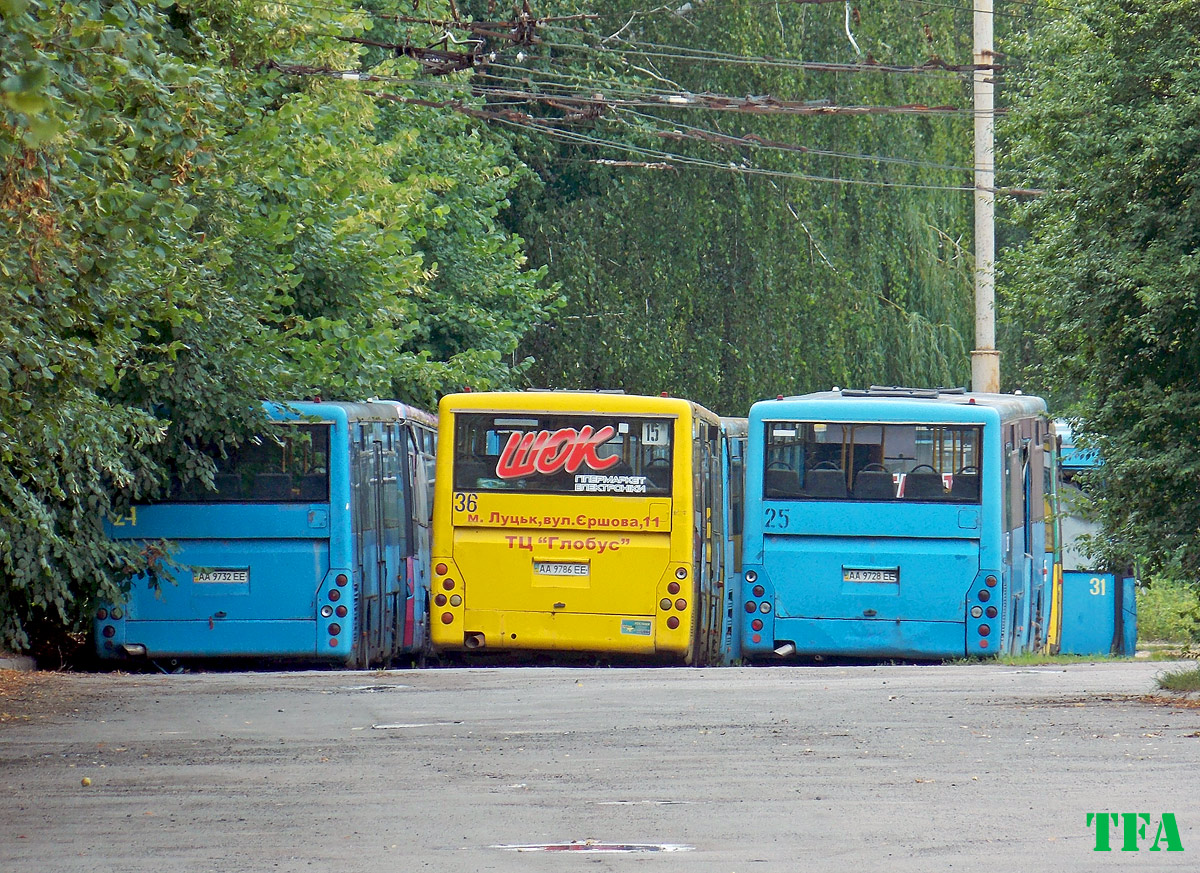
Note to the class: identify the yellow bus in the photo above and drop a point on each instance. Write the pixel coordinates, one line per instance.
(573, 521)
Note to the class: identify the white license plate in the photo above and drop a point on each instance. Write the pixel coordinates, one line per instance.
(208, 577)
(861, 574)
(560, 568)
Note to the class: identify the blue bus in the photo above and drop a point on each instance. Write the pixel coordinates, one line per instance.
(1073, 459)
(312, 545)
(895, 522)
(734, 437)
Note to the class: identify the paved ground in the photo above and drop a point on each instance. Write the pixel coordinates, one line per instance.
(905, 768)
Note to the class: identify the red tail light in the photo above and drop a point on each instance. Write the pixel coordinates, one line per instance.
(672, 622)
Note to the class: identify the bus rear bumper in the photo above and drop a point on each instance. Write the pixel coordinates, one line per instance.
(511, 630)
(870, 638)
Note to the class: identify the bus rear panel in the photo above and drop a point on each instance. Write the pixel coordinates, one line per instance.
(573, 522)
(310, 546)
(894, 526)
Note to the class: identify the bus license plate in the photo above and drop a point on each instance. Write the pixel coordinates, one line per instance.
(863, 574)
(235, 577)
(560, 568)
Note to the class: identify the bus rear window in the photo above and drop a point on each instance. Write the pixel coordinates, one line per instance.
(872, 462)
(287, 464)
(563, 453)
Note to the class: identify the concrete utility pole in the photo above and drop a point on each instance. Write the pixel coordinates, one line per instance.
(985, 359)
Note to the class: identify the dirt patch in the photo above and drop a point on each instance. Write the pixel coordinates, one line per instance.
(32, 696)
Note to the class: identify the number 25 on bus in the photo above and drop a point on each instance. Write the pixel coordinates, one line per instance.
(896, 523)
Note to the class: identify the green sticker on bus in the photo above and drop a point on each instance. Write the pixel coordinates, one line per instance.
(637, 627)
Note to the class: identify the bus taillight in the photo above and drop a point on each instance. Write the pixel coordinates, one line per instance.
(665, 604)
(447, 617)
(673, 622)
(440, 600)
(673, 588)
(334, 594)
(341, 612)
(448, 584)
(681, 604)
(341, 580)
(440, 569)
(101, 613)
(984, 630)
(990, 581)
(757, 624)
(335, 629)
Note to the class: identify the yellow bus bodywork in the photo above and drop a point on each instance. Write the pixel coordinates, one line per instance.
(567, 571)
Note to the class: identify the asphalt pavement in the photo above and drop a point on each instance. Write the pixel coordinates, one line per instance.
(813, 768)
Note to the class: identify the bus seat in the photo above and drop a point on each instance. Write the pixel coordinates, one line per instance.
(272, 486)
(826, 483)
(924, 486)
(781, 483)
(468, 472)
(312, 487)
(874, 485)
(965, 486)
(659, 476)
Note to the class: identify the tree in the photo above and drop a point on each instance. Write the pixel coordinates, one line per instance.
(721, 269)
(1107, 118)
(189, 230)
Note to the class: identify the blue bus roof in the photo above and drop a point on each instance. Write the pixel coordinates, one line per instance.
(371, 410)
(901, 405)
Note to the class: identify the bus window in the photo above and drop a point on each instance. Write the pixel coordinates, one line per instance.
(286, 464)
(563, 453)
(872, 461)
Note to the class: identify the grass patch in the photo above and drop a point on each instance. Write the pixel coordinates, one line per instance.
(1039, 659)
(1186, 679)
(1034, 659)
(1168, 612)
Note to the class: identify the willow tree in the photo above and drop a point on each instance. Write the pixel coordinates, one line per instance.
(730, 254)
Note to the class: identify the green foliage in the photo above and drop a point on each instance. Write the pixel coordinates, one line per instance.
(1168, 612)
(729, 286)
(188, 231)
(1107, 115)
(1182, 680)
